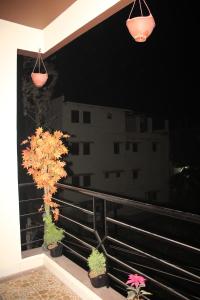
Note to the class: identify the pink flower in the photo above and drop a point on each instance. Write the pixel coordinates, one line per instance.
(136, 280)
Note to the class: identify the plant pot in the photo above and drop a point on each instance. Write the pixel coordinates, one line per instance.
(100, 281)
(141, 27)
(39, 79)
(56, 251)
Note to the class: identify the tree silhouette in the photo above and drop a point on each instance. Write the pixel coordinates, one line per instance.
(37, 101)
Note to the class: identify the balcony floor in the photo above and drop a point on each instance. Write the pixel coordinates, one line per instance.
(37, 284)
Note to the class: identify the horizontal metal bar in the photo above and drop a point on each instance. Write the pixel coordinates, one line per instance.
(25, 184)
(74, 252)
(117, 279)
(169, 289)
(155, 209)
(74, 206)
(30, 214)
(31, 228)
(125, 251)
(32, 242)
(28, 200)
(158, 271)
(77, 223)
(79, 240)
(76, 244)
(152, 234)
(162, 261)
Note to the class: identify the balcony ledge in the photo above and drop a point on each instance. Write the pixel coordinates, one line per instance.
(67, 272)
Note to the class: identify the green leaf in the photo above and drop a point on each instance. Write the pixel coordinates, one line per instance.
(145, 293)
(131, 295)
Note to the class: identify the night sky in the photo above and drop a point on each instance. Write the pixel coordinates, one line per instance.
(105, 66)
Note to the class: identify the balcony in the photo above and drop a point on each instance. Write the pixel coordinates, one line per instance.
(126, 231)
(132, 245)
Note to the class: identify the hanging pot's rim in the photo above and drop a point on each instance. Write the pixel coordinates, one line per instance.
(141, 17)
(38, 73)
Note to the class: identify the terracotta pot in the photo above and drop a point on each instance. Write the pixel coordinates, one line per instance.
(141, 27)
(39, 79)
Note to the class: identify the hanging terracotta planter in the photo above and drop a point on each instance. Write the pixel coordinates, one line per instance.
(140, 27)
(38, 78)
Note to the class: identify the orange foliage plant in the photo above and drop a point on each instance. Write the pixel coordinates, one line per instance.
(42, 159)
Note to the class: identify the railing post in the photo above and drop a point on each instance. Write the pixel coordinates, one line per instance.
(105, 221)
(94, 211)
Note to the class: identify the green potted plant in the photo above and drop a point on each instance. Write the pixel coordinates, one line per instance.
(42, 159)
(97, 269)
(52, 236)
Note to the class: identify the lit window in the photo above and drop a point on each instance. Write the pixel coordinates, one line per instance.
(74, 116)
(86, 117)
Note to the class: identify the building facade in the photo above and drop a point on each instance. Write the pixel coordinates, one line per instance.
(116, 150)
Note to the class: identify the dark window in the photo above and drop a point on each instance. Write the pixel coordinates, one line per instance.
(143, 124)
(106, 174)
(135, 174)
(74, 149)
(116, 148)
(117, 174)
(135, 147)
(109, 115)
(86, 180)
(75, 180)
(86, 117)
(127, 146)
(86, 148)
(74, 116)
(154, 147)
(151, 196)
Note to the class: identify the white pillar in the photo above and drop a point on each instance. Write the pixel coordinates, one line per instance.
(13, 36)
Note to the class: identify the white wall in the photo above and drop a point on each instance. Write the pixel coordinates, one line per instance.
(12, 37)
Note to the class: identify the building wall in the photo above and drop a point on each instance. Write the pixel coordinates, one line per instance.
(110, 172)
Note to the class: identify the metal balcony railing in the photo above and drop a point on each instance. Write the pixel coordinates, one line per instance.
(135, 237)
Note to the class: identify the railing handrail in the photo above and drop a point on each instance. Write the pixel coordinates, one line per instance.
(156, 209)
(169, 212)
